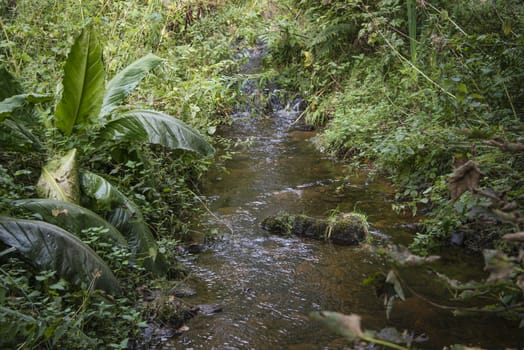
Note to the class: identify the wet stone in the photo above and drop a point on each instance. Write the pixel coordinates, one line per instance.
(183, 291)
(196, 248)
(210, 309)
(343, 229)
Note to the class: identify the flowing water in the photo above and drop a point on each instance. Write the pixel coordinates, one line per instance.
(267, 285)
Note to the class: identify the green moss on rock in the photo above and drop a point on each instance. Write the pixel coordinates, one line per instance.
(344, 229)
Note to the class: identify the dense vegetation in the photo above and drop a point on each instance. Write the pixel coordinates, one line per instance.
(431, 96)
(96, 97)
(428, 93)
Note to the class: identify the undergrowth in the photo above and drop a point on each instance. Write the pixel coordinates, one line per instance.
(438, 110)
(414, 121)
(202, 44)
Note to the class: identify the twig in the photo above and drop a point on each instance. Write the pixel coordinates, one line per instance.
(211, 213)
(402, 58)
(506, 146)
(510, 101)
(318, 94)
(448, 18)
(463, 309)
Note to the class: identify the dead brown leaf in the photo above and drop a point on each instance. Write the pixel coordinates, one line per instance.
(506, 146)
(520, 283)
(498, 264)
(404, 256)
(465, 177)
(346, 325)
(58, 212)
(518, 236)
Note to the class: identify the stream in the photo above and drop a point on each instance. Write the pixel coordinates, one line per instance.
(267, 284)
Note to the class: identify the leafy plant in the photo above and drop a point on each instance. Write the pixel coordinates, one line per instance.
(51, 248)
(15, 132)
(70, 217)
(82, 84)
(38, 309)
(121, 212)
(84, 102)
(349, 326)
(59, 179)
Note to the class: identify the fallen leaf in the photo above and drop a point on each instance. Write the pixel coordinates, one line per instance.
(403, 256)
(183, 328)
(57, 212)
(465, 177)
(498, 264)
(506, 146)
(346, 325)
(520, 282)
(518, 236)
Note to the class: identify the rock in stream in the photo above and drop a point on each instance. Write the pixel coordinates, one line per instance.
(344, 229)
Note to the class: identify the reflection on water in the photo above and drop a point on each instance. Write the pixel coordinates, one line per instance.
(267, 285)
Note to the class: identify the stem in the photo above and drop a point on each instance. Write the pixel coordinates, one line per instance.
(412, 29)
(415, 67)
(211, 213)
(82, 11)
(461, 309)
(510, 101)
(10, 44)
(448, 18)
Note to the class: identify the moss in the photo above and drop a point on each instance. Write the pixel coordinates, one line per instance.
(280, 224)
(345, 229)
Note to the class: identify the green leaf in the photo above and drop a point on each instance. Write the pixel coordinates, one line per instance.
(14, 136)
(83, 83)
(70, 217)
(8, 84)
(157, 128)
(125, 81)
(59, 179)
(10, 104)
(462, 88)
(57, 286)
(126, 217)
(49, 247)
(20, 316)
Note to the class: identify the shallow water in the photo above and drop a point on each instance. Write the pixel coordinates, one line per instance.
(267, 285)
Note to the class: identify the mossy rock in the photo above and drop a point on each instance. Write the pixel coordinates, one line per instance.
(344, 229)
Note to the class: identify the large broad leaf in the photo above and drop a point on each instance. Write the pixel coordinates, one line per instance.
(71, 217)
(10, 104)
(59, 179)
(157, 128)
(125, 81)
(49, 247)
(100, 195)
(15, 136)
(8, 84)
(83, 83)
